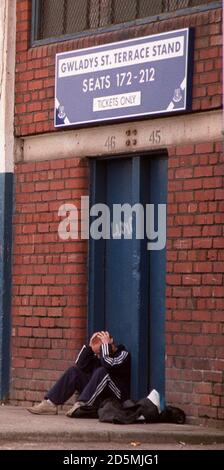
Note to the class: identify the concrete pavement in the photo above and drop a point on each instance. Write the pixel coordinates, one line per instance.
(17, 424)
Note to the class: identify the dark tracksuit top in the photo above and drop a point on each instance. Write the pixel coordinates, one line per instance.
(116, 365)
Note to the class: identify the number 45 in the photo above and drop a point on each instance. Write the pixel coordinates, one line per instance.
(155, 137)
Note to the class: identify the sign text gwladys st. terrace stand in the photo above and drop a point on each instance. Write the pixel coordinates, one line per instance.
(139, 77)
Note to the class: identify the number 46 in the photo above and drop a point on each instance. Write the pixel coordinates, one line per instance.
(110, 143)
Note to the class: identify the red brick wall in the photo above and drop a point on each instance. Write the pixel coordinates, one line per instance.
(49, 276)
(35, 66)
(50, 282)
(195, 293)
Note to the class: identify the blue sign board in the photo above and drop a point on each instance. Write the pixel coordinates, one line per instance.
(140, 77)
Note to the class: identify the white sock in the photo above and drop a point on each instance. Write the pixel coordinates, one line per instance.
(50, 402)
(155, 398)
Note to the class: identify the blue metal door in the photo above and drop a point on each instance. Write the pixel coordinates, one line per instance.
(126, 281)
(118, 257)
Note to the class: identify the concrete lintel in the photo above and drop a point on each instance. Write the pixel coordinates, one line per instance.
(126, 137)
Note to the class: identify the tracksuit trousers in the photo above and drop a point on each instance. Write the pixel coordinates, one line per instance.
(90, 386)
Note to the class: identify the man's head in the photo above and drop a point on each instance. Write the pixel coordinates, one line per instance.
(100, 337)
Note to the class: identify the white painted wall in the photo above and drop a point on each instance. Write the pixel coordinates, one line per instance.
(7, 80)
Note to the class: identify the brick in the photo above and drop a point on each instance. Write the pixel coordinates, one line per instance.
(203, 267)
(184, 173)
(203, 340)
(192, 279)
(208, 53)
(205, 195)
(48, 82)
(35, 85)
(216, 40)
(212, 182)
(41, 73)
(212, 279)
(218, 267)
(185, 196)
(183, 267)
(55, 311)
(219, 194)
(203, 171)
(18, 362)
(32, 107)
(33, 363)
(204, 148)
(182, 315)
(185, 149)
(33, 322)
(218, 291)
(181, 292)
(24, 331)
(193, 184)
(212, 230)
(173, 279)
(40, 116)
(202, 243)
(207, 412)
(194, 231)
(202, 291)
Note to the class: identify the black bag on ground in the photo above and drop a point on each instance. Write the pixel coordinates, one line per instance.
(112, 411)
(108, 409)
(172, 414)
(148, 410)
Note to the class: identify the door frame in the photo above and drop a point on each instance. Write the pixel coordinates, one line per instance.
(150, 350)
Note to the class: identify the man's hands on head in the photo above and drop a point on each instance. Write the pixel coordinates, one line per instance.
(98, 338)
(105, 337)
(95, 343)
(93, 337)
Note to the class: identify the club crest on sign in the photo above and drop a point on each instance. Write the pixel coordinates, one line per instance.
(61, 112)
(177, 95)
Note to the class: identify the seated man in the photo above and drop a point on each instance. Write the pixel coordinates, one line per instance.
(100, 367)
